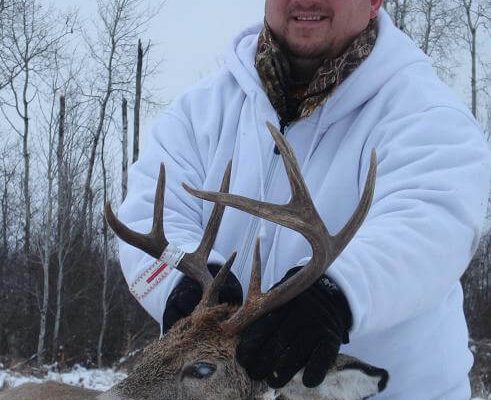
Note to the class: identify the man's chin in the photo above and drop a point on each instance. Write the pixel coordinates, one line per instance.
(307, 52)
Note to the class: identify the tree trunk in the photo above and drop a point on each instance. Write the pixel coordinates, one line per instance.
(124, 165)
(87, 197)
(105, 310)
(474, 71)
(87, 216)
(5, 214)
(61, 225)
(44, 313)
(472, 26)
(138, 95)
(428, 11)
(105, 262)
(46, 257)
(26, 156)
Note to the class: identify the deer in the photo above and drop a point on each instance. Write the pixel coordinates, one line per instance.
(196, 358)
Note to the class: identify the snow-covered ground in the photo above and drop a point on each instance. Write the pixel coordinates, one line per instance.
(97, 379)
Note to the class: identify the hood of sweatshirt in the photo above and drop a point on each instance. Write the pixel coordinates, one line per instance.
(393, 51)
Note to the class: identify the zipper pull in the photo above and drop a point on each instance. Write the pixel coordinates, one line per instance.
(283, 126)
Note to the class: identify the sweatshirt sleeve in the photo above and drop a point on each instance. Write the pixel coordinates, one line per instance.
(172, 142)
(425, 220)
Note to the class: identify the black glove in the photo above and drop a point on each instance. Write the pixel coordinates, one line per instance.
(305, 332)
(187, 294)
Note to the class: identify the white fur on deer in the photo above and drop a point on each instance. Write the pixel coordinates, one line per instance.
(401, 271)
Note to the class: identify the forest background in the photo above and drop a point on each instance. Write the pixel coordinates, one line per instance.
(78, 90)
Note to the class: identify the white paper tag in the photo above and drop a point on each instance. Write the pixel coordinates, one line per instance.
(157, 272)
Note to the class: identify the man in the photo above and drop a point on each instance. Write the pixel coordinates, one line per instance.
(339, 80)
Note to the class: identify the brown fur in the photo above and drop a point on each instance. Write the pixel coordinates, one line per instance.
(48, 391)
(196, 338)
(161, 374)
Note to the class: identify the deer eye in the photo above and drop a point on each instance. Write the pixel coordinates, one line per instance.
(199, 370)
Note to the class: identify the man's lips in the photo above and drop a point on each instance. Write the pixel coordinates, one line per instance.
(308, 18)
(312, 18)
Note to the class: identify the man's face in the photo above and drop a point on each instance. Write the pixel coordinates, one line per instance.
(318, 28)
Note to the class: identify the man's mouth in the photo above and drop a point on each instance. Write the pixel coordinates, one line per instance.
(309, 18)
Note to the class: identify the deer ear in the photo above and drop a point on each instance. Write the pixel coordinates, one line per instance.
(348, 379)
(354, 381)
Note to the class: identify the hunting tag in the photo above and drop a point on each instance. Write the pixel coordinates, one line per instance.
(150, 278)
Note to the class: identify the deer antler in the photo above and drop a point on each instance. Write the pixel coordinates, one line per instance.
(300, 215)
(154, 243)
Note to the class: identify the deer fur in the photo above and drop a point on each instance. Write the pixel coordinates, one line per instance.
(200, 338)
(48, 391)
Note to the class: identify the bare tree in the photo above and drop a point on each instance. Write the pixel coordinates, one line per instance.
(54, 233)
(30, 42)
(121, 23)
(9, 67)
(124, 161)
(475, 17)
(8, 167)
(62, 218)
(434, 25)
(8, 170)
(477, 289)
(105, 261)
(138, 98)
(399, 11)
(46, 236)
(72, 116)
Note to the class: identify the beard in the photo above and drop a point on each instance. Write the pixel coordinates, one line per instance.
(306, 49)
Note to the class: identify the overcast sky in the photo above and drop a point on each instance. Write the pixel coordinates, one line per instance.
(192, 35)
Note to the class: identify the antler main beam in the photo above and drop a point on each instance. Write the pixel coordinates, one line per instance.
(300, 215)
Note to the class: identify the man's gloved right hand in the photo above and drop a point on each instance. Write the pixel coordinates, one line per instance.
(306, 332)
(187, 294)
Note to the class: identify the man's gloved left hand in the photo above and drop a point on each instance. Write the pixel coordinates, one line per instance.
(304, 333)
(187, 294)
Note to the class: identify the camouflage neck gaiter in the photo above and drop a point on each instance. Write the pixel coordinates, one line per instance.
(292, 101)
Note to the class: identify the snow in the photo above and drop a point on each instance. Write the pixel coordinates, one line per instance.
(97, 379)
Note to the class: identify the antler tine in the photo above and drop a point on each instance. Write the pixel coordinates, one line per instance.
(211, 229)
(152, 243)
(349, 230)
(256, 303)
(194, 264)
(210, 296)
(255, 284)
(297, 184)
(158, 205)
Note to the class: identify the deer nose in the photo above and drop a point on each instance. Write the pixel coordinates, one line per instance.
(383, 380)
(381, 373)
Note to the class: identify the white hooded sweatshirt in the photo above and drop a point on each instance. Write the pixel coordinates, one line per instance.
(400, 273)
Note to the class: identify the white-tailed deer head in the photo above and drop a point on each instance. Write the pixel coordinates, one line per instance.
(195, 360)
